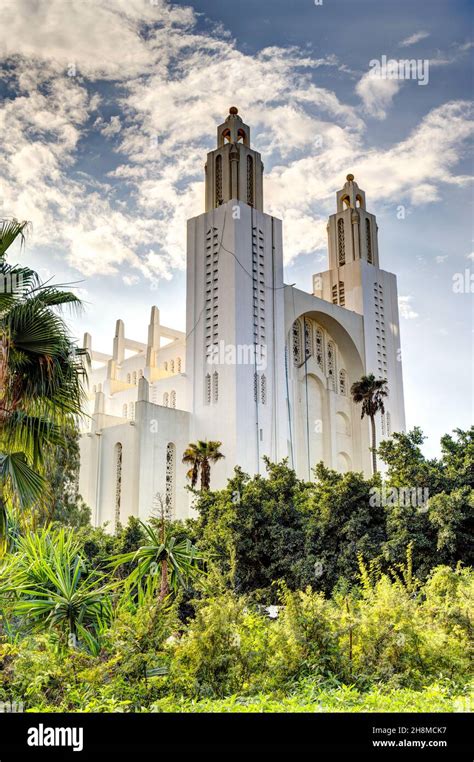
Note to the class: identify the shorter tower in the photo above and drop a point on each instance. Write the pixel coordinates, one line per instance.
(355, 281)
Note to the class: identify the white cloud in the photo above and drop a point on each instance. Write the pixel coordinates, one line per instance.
(470, 256)
(413, 39)
(171, 92)
(441, 258)
(377, 93)
(406, 310)
(111, 128)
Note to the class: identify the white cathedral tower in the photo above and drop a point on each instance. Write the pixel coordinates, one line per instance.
(263, 367)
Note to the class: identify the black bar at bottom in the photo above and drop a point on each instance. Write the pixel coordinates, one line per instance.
(96, 736)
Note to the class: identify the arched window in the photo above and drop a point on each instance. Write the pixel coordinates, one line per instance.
(178, 364)
(341, 244)
(215, 386)
(207, 389)
(172, 366)
(118, 482)
(124, 410)
(131, 409)
(173, 398)
(308, 337)
(263, 389)
(250, 180)
(296, 335)
(368, 240)
(129, 378)
(134, 377)
(166, 399)
(342, 382)
(255, 387)
(170, 488)
(319, 349)
(331, 365)
(219, 198)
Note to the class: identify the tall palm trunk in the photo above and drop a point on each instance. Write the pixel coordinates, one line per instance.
(374, 444)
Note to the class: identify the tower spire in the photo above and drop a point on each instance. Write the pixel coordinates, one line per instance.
(234, 170)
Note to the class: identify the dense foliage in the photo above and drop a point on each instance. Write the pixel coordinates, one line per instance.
(277, 527)
(282, 595)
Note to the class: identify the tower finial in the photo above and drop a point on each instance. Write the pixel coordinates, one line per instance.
(233, 110)
(349, 178)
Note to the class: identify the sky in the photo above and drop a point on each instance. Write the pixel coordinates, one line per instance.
(108, 108)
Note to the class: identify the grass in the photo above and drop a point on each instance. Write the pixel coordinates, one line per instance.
(433, 698)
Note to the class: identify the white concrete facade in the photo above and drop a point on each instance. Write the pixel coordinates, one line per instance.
(264, 368)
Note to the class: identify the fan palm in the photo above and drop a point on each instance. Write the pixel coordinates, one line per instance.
(41, 375)
(371, 391)
(200, 456)
(177, 559)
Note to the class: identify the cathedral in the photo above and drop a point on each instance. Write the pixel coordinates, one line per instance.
(264, 368)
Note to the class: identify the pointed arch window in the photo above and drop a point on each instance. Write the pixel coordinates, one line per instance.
(173, 398)
(308, 337)
(331, 365)
(341, 244)
(296, 337)
(215, 386)
(134, 377)
(250, 194)
(172, 366)
(319, 349)
(178, 365)
(263, 389)
(219, 198)
(170, 483)
(368, 240)
(166, 399)
(129, 378)
(255, 387)
(118, 482)
(207, 389)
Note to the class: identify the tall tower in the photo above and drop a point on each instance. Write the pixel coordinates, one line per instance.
(355, 281)
(235, 310)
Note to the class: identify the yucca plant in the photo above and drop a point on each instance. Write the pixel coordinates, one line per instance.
(47, 584)
(177, 561)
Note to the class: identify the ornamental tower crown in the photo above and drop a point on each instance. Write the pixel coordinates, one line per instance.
(234, 170)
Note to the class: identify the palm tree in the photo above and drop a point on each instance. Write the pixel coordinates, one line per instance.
(371, 391)
(41, 375)
(200, 456)
(178, 560)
